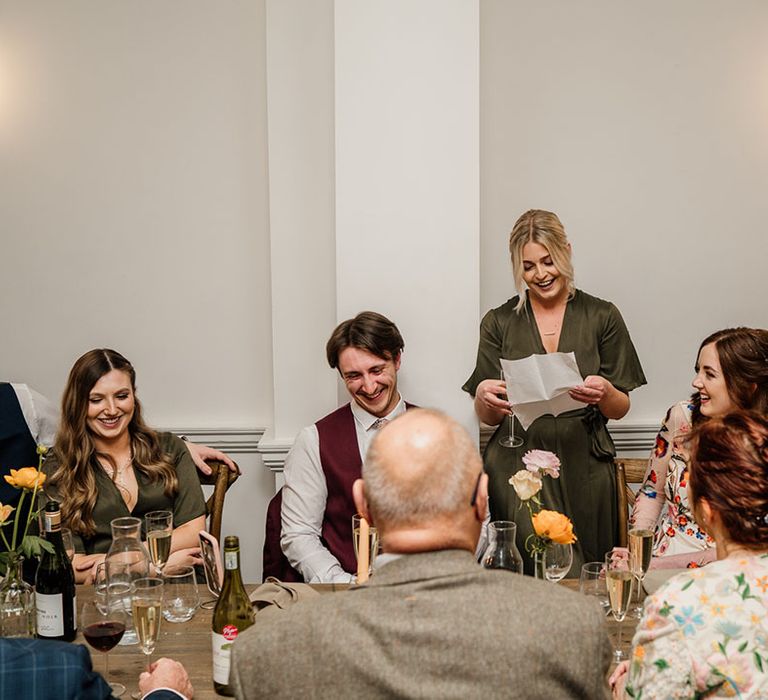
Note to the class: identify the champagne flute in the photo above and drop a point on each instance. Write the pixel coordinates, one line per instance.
(592, 583)
(373, 541)
(159, 527)
(510, 439)
(69, 542)
(147, 608)
(557, 561)
(618, 580)
(640, 553)
(103, 627)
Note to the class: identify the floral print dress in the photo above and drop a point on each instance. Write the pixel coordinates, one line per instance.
(662, 502)
(704, 634)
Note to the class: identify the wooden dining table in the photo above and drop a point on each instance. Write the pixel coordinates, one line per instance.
(190, 643)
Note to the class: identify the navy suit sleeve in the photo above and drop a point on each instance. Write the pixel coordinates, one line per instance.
(37, 669)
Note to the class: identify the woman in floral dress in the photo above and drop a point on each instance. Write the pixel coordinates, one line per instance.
(705, 632)
(731, 373)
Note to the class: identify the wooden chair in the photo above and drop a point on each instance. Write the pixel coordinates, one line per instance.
(628, 471)
(221, 478)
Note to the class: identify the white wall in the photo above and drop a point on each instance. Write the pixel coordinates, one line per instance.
(133, 192)
(645, 127)
(407, 187)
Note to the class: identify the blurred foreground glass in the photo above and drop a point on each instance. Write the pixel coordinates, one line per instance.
(373, 541)
(147, 609)
(180, 596)
(69, 543)
(502, 551)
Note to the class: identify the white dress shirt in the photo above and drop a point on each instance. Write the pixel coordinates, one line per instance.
(304, 497)
(41, 415)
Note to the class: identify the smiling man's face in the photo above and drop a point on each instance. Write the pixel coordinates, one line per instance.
(371, 380)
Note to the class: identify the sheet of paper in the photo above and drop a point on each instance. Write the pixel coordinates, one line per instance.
(538, 385)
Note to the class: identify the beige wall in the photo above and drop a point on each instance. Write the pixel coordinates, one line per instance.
(645, 127)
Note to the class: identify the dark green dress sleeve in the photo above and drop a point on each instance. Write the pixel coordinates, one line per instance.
(189, 502)
(619, 362)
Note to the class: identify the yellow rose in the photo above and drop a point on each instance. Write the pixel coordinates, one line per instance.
(5, 511)
(26, 478)
(554, 525)
(526, 485)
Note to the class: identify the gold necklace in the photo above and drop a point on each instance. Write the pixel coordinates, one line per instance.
(118, 477)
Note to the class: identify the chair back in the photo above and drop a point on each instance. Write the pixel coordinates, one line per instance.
(221, 478)
(274, 562)
(628, 471)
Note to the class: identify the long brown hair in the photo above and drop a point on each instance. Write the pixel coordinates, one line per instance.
(76, 454)
(743, 355)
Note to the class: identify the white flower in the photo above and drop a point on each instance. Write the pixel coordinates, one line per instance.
(542, 461)
(526, 485)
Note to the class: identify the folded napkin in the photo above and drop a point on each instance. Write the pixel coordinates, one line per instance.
(279, 594)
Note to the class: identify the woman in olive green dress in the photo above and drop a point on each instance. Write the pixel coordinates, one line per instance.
(108, 464)
(551, 315)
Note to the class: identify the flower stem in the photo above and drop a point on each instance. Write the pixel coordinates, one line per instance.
(16, 519)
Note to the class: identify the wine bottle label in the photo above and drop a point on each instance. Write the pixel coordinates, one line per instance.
(222, 650)
(50, 614)
(52, 521)
(230, 560)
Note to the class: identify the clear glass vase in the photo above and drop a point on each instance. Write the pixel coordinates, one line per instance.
(130, 555)
(502, 551)
(17, 601)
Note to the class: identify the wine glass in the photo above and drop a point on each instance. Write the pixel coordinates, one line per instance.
(557, 561)
(618, 580)
(510, 439)
(373, 542)
(640, 553)
(147, 606)
(159, 527)
(69, 543)
(103, 628)
(180, 593)
(592, 583)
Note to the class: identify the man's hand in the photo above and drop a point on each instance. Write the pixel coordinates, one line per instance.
(200, 453)
(166, 673)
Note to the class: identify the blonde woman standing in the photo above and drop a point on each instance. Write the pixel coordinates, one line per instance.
(550, 315)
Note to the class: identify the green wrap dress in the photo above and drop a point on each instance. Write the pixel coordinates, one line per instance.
(594, 330)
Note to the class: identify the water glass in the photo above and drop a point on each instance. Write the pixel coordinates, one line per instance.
(69, 543)
(592, 583)
(180, 596)
(557, 561)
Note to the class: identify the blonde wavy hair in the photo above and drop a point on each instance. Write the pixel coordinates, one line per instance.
(544, 228)
(74, 479)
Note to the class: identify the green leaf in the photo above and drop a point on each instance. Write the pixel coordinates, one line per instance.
(33, 546)
(661, 664)
(743, 646)
(758, 661)
(666, 609)
(721, 646)
(687, 585)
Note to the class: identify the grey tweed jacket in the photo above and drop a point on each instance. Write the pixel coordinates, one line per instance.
(432, 625)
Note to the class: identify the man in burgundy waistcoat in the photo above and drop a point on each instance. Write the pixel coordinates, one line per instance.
(326, 458)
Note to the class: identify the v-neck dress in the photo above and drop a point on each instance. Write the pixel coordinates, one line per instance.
(186, 505)
(594, 330)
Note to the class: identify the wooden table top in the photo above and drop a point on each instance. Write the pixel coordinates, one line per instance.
(190, 643)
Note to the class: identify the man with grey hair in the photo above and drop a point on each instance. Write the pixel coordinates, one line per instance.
(431, 622)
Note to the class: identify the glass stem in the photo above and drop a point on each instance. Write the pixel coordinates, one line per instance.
(106, 666)
(618, 645)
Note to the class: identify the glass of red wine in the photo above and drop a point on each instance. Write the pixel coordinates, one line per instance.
(103, 627)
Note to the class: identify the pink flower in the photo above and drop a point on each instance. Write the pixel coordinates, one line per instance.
(542, 461)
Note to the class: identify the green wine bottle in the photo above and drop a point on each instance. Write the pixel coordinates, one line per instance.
(233, 614)
(55, 597)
